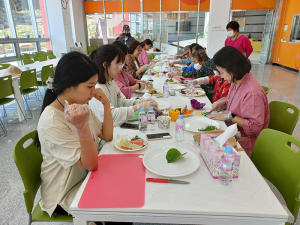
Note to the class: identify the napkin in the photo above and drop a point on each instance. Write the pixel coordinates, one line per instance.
(228, 133)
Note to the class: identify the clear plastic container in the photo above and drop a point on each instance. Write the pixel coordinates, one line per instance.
(179, 129)
(191, 90)
(151, 119)
(166, 92)
(226, 167)
(142, 120)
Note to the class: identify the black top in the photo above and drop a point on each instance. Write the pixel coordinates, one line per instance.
(128, 41)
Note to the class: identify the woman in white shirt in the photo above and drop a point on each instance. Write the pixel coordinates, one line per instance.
(68, 133)
(110, 60)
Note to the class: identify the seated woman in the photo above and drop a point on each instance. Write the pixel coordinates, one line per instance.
(68, 133)
(109, 59)
(247, 103)
(188, 61)
(185, 54)
(143, 57)
(126, 82)
(132, 64)
(191, 68)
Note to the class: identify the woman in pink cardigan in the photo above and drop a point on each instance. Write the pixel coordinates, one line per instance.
(237, 40)
(246, 103)
(125, 81)
(143, 57)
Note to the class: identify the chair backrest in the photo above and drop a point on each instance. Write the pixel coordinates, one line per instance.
(4, 66)
(47, 71)
(281, 119)
(62, 54)
(43, 54)
(50, 52)
(151, 56)
(36, 56)
(266, 89)
(90, 49)
(28, 161)
(6, 88)
(28, 79)
(25, 56)
(280, 164)
(51, 57)
(27, 61)
(41, 59)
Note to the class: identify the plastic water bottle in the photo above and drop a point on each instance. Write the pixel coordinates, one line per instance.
(142, 120)
(191, 90)
(149, 71)
(160, 66)
(179, 129)
(166, 92)
(169, 68)
(151, 119)
(226, 167)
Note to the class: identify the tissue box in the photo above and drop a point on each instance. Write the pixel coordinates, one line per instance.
(211, 155)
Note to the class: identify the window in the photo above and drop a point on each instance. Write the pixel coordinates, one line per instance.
(7, 50)
(4, 23)
(28, 47)
(45, 46)
(41, 20)
(295, 32)
(134, 22)
(114, 24)
(22, 18)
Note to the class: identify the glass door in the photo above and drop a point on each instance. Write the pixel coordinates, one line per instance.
(267, 34)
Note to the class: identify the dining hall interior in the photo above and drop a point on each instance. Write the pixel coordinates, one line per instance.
(150, 112)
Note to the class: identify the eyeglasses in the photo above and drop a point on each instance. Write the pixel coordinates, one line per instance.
(121, 66)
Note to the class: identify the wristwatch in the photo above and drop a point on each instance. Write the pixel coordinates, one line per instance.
(139, 85)
(231, 116)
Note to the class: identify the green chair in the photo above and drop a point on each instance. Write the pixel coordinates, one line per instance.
(27, 61)
(281, 119)
(4, 66)
(151, 56)
(90, 49)
(51, 57)
(28, 85)
(28, 161)
(43, 54)
(50, 52)
(25, 56)
(36, 56)
(62, 54)
(6, 90)
(266, 89)
(47, 71)
(280, 164)
(41, 59)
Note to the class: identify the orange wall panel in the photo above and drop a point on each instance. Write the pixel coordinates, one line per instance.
(192, 5)
(151, 5)
(289, 53)
(94, 7)
(169, 5)
(113, 6)
(132, 6)
(253, 4)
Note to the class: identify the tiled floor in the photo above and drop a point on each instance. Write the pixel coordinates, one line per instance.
(284, 86)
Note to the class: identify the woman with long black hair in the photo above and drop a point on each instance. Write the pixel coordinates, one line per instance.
(68, 131)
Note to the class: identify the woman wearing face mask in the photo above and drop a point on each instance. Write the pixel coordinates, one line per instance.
(68, 133)
(125, 81)
(237, 40)
(191, 67)
(132, 64)
(246, 103)
(110, 60)
(143, 57)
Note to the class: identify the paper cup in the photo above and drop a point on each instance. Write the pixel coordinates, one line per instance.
(164, 122)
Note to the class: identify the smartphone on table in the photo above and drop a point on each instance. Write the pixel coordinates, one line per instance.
(130, 126)
(160, 136)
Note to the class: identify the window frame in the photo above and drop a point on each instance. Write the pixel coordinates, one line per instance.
(295, 29)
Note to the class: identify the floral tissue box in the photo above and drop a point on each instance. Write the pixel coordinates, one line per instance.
(211, 155)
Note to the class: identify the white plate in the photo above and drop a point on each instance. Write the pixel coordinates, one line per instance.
(156, 162)
(128, 150)
(157, 70)
(142, 91)
(193, 124)
(162, 105)
(177, 87)
(174, 82)
(178, 65)
(199, 95)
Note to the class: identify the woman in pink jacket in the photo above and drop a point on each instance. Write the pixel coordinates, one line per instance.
(246, 103)
(143, 57)
(237, 40)
(125, 81)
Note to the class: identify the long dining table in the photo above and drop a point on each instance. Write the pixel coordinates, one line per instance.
(15, 83)
(248, 200)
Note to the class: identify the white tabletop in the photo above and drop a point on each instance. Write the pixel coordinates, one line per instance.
(247, 200)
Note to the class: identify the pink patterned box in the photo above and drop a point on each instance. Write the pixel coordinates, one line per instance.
(211, 155)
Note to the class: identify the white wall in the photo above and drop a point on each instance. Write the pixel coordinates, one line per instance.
(219, 15)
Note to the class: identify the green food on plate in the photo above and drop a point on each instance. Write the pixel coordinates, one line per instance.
(124, 143)
(173, 154)
(208, 128)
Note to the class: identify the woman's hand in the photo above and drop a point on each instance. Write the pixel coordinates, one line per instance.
(147, 83)
(173, 63)
(172, 74)
(145, 67)
(143, 85)
(178, 70)
(100, 95)
(222, 115)
(218, 105)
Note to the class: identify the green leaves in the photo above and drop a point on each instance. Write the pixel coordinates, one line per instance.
(173, 154)
(208, 128)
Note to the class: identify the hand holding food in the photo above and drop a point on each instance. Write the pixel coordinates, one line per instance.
(172, 74)
(221, 115)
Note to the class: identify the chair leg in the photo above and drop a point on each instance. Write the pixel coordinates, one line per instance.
(5, 114)
(23, 113)
(29, 219)
(28, 108)
(3, 128)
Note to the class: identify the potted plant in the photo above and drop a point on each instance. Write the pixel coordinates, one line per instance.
(27, 35)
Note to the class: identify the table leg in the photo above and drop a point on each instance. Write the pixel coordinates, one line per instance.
(79, 221)
(18, 96)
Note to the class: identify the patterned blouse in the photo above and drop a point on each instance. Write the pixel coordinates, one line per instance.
(221, 87)
(131, 68)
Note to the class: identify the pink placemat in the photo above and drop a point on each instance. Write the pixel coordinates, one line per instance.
(178, 78)
(119, 182)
